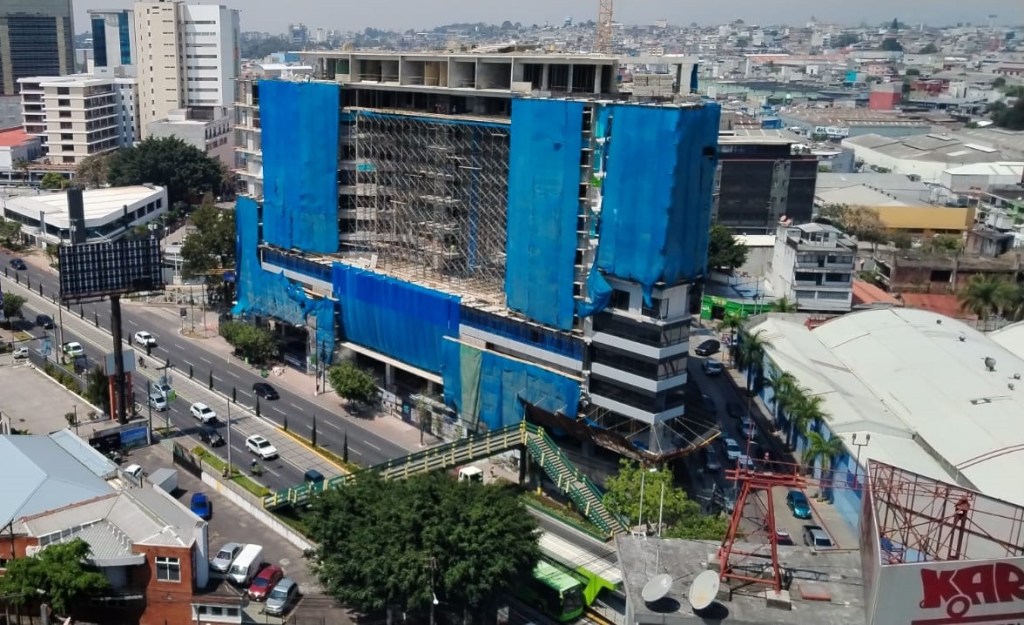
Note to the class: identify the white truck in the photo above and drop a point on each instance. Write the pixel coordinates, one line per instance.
(244, 567)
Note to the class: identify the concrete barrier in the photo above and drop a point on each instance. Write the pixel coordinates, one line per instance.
(255, 508)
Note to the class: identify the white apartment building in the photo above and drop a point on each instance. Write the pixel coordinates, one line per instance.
(188, 57)
(79, 115)
(249, 139)
(212, 132)
(812, 266)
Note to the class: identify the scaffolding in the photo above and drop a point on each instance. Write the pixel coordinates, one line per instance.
(428, 198)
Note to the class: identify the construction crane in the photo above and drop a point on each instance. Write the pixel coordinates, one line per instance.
(603, 38)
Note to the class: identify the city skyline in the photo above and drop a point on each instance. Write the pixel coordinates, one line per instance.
(265, 15)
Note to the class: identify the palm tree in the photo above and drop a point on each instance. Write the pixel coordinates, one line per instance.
(784, 305)
(985, 295)
(805, 415)
(751, 356)
(732, 324)
(825, 451)
(781, 383)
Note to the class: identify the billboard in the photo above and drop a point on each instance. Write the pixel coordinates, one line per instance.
(110, 268)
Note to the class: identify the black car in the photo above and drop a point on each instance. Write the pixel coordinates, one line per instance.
(19, 264)
(708, 347)
(44, 321)
(211, 437)
(264, 390)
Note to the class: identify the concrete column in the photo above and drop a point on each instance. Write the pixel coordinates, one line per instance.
(431, 388)
(389, 376)
(568, 82)
(545, 77)
(598, 74)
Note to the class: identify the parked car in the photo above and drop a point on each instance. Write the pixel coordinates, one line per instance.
(748, 427)
(19, 264)
(211, 437)
(735, 409)
(44, 321)
(201, 506)
(20, 353)
(265, 580)
(712, 367)
(712, 463)
(265, 391)
(261, 447)
(817, 538)
(157, 401)
(203, 412)
(732, 450)
(782, 537)
(145, 339)
(225, 556)
(135, 472)
(74, 349)
(164, 389)
(708, 347)
(797, 503)
(282, 596)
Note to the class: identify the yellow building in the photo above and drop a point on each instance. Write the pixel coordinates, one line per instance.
(902, 214)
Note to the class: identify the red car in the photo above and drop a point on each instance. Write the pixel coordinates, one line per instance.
(264, 582)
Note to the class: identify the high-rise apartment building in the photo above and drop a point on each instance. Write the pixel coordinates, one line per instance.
(188, 57)
(36, 39)
(113, 41)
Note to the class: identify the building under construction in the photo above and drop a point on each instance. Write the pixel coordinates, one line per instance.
(507, 226)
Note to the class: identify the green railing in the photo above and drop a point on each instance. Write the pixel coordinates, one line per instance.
(570, 480)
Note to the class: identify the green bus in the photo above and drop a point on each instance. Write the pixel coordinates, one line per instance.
(554, 592)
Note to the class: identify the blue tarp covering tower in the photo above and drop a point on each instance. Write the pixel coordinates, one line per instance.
(397, 318)
(492, 390)
(300, 164)
(656, 198)
(543, 205)
(261, 292)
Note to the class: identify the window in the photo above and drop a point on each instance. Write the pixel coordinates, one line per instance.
(63, 91)
(168, 569)
(65, 125)
(619, 300)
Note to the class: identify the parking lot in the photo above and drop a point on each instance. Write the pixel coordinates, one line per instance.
(34, 402)
(230, 524)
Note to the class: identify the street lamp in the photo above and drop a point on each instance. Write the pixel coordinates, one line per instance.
(867, 440)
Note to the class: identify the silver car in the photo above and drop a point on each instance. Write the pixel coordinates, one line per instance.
(282, 596)
(227, 554)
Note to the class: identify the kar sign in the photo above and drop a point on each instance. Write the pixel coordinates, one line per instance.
(985, 593)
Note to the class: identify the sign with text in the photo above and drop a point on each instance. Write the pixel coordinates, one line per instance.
(110, 268)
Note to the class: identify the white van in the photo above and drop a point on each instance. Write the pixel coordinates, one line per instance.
(471, 474)
(244, 567)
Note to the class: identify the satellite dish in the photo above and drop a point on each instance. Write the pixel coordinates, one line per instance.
(657, 588)
(703, 590)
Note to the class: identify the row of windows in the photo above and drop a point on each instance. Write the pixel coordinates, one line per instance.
(639, 399)
(644, 367)
(638, 332)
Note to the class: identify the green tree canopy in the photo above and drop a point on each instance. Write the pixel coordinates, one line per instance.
(381, 543)
(253, 343)
(928, 49)
(212, 244)
(94, 170)
(1011, 118)
(986, 295)
(12, 304)
(681, 515)
(890, 44)
(169, 162)
(58, 574)
(352, 383)
(52, 181)
(97, 389)
(10, 233)
(724, 252)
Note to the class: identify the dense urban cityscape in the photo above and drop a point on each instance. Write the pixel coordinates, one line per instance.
(511, 321)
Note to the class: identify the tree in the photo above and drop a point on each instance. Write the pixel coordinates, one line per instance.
(901, 240)
(784, 305)
(352, 383)
(58, 574)
(52, 180)
(253, 343)
(782, 384)
(890, 44)
(94, 170)
(985, 295)
(1011, 118)
(928, 49)
(464, 543)
(97, 389)
(724, 251)
(859, 221)
(681, 515)
(52, 253)
(10, 233)
(945, 243)
(799, 412)
(732, 324)
(751, 356)
(824, 451)
(999, 82)
(23, 165)
(212, 245)
(12, 304)
(845, 40)
(169, 162)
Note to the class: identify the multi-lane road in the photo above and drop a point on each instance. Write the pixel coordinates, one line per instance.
(229, 376)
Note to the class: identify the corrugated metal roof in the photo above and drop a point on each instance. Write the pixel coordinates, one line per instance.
(48, 477)
(100, 465)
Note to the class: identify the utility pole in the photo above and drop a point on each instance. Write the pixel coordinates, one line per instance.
(119, 379)
(229, 440)
(149, 410)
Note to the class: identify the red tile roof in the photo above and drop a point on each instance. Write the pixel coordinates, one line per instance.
(10, 137)
(867, 293)
(942, 303)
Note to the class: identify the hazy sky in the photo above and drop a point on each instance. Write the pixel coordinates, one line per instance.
(274, 15)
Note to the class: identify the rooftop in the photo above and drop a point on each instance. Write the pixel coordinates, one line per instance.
(101, 205)
(919, 383)
(940, 148)
(867, 294)
(836, 574)
(864, 195)
(11, 137)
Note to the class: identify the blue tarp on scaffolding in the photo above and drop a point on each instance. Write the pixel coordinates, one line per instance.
(491, 389)
(656, 195)
(400, 319)
(270, 294)
(299, 122)
(543, 207)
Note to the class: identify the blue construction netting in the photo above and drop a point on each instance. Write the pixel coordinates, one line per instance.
(543, 208)
(299, 123)
(269, 294)
(396, 318)
(656, 196)
(489, 389)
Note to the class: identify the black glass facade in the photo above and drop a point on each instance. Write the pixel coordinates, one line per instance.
(759, 183)
(39, 37)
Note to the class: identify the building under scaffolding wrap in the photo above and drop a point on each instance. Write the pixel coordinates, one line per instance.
(426, 194)
(532, 254)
